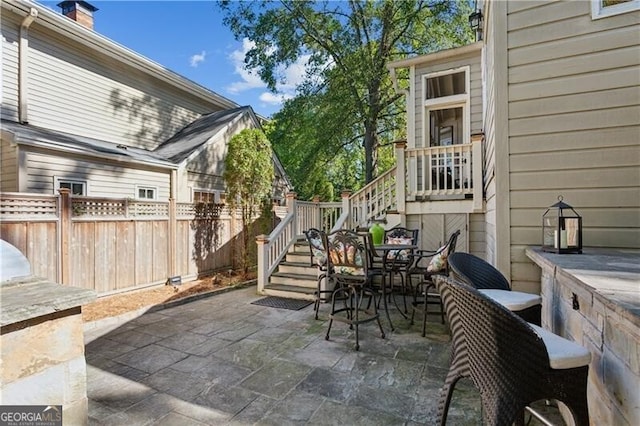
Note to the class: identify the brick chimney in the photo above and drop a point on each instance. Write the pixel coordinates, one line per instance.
(79, 11)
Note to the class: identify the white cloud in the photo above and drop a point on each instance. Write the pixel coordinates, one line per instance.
(274, 98)
(248, 80)
(293, 76)
(197, 58)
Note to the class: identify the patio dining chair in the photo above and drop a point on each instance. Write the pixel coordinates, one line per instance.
(319, 260)
(481, 275)
(512, 363)
(428, 264)
(347, 265)
(397, 262)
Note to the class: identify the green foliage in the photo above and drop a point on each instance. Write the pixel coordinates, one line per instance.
(346, 109)
(248, 175)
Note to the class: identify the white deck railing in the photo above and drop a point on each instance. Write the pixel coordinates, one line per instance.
(442, 170)
(374, 200)
(447, 172)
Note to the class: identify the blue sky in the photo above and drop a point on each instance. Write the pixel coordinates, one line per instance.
(189, 38)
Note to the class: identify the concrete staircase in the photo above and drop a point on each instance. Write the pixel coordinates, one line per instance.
(294, 277)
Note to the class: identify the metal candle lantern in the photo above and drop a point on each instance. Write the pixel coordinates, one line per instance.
(561, 229)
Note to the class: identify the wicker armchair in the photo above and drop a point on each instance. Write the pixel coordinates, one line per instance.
(511, 362)
(480, 274)
(425, 292)
(348, 267)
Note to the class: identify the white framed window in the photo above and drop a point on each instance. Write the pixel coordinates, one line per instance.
(146, 192)
(207, 196)
(76, 186)
(605, 8)
(446, 100)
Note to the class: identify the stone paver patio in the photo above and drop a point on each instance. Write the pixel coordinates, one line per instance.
(222, 360)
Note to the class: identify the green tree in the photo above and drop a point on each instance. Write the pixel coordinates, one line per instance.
(347, 99)
(248, 175)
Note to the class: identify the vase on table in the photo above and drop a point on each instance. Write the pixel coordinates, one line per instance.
(377, 233)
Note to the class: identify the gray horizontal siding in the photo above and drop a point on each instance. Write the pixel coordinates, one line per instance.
(9, 167)
(95, 96)
(103, 179)
(9, 30)
(574, 124)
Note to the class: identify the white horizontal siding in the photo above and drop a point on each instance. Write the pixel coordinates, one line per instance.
(477, 235)
(9, 30)
(104, 179)
(574, 123)
(9, 167)
(78, 91)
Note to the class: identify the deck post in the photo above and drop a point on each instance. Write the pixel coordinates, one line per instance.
(476, 155)
(346, 207)
(400, 177)
(292, 208)
(263, 265)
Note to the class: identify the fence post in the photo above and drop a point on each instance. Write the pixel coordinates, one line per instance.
(65, 232)
(262, 242)
(172, 240)
(400, 177)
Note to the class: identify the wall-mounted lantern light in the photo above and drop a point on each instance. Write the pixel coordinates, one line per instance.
(475, 22)
(561, 229)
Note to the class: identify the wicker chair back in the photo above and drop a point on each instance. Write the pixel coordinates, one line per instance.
(476, 272)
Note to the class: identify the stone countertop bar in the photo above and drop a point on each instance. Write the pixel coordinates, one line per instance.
(24, 299)
(42, 341)
(611, 275)
(593, 298)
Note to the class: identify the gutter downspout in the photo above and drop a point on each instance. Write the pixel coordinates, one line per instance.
(23, 61)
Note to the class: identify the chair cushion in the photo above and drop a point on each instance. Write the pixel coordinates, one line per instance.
(319, 256)
(438, 262)
(349, 270)
(399, 254)
(563, 353)
(512, 300)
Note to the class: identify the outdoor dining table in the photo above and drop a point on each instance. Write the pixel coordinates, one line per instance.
(385, 249)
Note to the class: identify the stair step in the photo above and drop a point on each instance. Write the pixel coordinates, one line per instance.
(298, 258)
(297, 268)
(291, 288)
(290, 291)
(298, 280)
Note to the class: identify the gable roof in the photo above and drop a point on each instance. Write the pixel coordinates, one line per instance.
(197, 133)
(26, 134)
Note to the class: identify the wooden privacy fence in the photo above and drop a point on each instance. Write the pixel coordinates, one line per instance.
(111, 245)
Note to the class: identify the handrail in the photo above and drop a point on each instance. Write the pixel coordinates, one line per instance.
(285, 238)
(374, 199)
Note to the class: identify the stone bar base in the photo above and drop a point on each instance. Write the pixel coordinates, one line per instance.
(42, 348)
(594, 299)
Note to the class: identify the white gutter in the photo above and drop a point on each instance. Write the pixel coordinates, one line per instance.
(99, 43)
(52, 145)
(23, 61)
